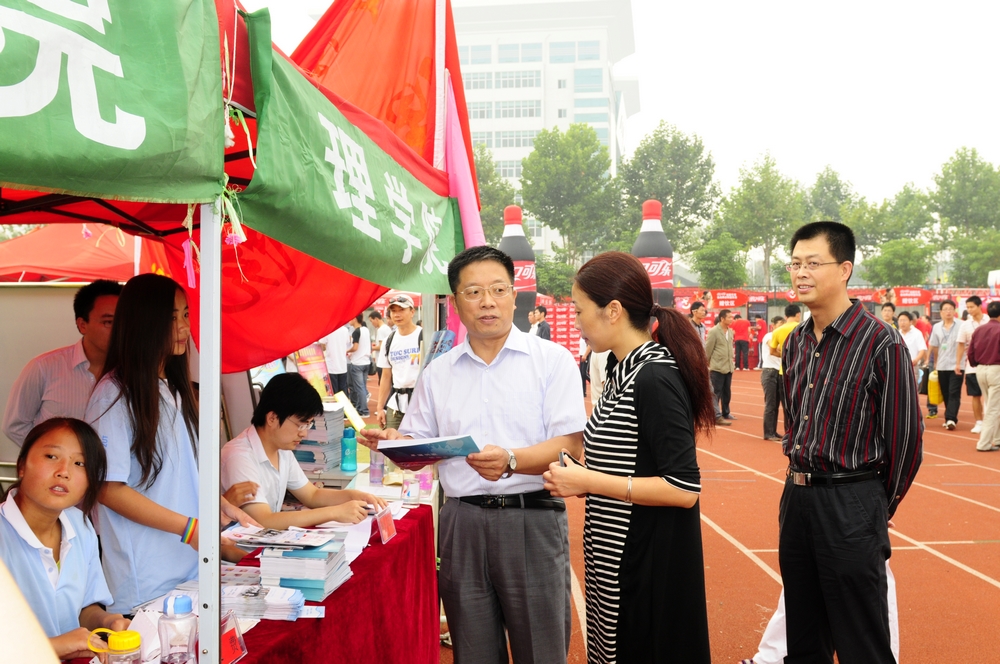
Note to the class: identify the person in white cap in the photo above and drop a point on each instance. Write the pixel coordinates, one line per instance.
(399, 359)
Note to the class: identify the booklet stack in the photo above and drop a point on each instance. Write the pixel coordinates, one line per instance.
(320, 450)
(262, 602)
(315, 572)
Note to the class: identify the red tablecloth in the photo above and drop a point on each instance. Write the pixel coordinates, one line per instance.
(387, 612)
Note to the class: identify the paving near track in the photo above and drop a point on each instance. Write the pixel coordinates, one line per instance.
(946, 543)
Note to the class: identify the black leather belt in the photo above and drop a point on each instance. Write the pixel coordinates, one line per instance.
(829, 479)
(536, 500)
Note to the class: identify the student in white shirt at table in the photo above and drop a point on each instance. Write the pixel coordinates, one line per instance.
(58, 383)
(504, 540)
(263, 456)
(48, 544)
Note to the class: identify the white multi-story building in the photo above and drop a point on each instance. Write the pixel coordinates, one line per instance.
(529, 65)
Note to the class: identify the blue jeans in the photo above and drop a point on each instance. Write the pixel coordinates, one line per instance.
(359, 387)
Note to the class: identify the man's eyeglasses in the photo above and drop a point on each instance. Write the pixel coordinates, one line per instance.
(497, 291)
(303, 426)
(811, 266)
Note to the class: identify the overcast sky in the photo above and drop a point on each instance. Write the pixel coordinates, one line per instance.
(884, 92)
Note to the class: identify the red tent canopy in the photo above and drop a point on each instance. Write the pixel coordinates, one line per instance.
(78, 252)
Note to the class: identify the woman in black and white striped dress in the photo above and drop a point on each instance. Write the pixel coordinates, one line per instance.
(642, 538)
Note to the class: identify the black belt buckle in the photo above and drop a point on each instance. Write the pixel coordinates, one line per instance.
(494, 502)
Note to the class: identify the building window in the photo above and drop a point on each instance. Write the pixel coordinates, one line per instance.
(519, 79)
(561, 84)
(482, 55)
(602, 135)
(516, 139)
(531, 52)
(592, 102)
(478, 80)
(509, 169)
(463, 55)
(562, 113)
(508, 53)
(519, 109)
(486, 138)
(480, 110)
(588, 50)
(590, 117)
(588, 80)
(518, 200)
(562, 52)
(534, 227)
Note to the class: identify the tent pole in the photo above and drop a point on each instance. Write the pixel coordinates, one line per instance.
(440, 84)
(209, 368)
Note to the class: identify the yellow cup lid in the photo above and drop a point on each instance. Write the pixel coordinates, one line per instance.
(124, 641)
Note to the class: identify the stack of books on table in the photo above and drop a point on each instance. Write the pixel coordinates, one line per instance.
(316, 571)
(262, 602)
(320, 450)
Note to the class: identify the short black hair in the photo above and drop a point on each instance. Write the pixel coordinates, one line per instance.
(95, 462)
(542, 310)
(838, 236)
(285, 395)
(890, 305)
(722, 314)
(375, 315)
(778, 319)
(758, 317)
(951, 302)
(975, 299)
(696, 305)
(792, 310)
(993, 309)
(909, 317)
(476, 255)
(83, 301)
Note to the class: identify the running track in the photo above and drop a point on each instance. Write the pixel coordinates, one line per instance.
(946, 543)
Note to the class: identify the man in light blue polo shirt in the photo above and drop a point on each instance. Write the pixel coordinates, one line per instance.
(504, 543)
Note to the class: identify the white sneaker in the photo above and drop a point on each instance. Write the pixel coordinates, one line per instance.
(978, 427)
(949, 425)
(945, 424)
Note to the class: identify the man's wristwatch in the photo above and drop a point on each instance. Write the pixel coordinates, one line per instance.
(511, 465)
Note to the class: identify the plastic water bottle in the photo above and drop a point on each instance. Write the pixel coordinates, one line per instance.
(411, 489)
(178, 631)
(349, 451)
(376, 470)
(425, 477)
(123, 647)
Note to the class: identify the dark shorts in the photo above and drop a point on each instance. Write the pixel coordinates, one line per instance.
(972, 386)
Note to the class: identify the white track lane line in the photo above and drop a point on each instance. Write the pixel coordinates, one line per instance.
(960, 461)
(581, 605)
(742, 549)
(892, 531)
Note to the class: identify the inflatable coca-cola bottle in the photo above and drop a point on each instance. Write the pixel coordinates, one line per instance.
(514, 244)
(653, 249)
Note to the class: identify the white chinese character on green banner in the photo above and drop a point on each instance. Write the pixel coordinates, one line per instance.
(352, 165)
(404, 213)
(432, 225)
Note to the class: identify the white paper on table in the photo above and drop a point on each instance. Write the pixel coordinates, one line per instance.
(313, 612)
(147, 624)
(247, 624)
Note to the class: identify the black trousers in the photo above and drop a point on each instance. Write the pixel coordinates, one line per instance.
(743, 355)
(951, 392)
(722, 387)
(771, 382)
(339, 383)
(832, 546)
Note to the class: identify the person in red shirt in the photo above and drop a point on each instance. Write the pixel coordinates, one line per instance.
(741, 335)
(923, 324)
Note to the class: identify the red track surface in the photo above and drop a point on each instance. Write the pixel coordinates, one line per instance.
(946, 544)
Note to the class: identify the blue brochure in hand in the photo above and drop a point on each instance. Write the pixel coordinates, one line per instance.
(415, 454)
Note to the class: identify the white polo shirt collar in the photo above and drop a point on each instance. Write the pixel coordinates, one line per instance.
(12, 513)
(516, 341)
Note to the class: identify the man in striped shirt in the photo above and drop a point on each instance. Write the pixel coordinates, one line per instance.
(59, 383)
(854, 444)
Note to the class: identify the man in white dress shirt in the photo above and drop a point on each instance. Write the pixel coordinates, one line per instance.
(58, 383)
(504, 543)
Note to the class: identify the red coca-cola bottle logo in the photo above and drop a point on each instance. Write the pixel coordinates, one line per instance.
(524, 275)
(660, 271)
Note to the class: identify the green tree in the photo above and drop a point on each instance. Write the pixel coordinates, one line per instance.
(974, 256)
(566, 186)
(11, 231)
(554, 276)
(907, 215)
(674, 168)
(762, 210)
(721, 263)
(828, 195)
(495, 193)
(967, 198)
(903, 262)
